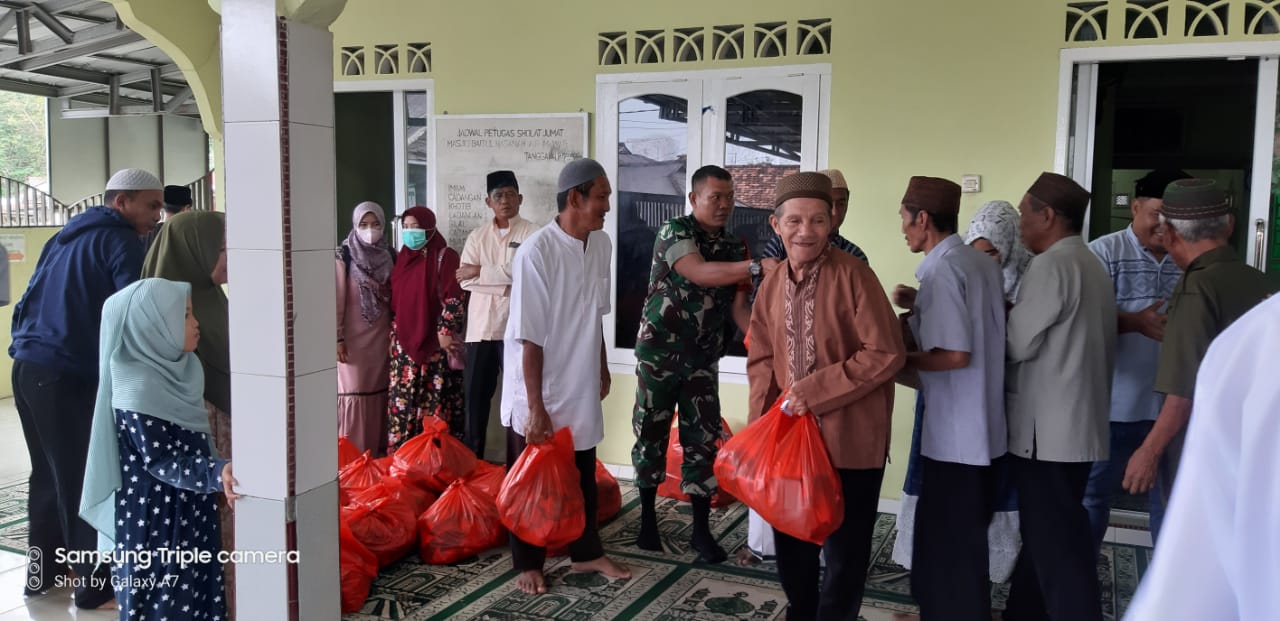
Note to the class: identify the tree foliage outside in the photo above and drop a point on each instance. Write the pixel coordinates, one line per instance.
(22, 136)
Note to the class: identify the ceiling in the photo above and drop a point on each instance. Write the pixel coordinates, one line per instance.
(79, 51)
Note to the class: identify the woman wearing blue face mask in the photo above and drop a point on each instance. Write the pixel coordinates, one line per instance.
(428, 309)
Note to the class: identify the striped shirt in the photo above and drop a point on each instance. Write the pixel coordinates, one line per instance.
(1139, 279)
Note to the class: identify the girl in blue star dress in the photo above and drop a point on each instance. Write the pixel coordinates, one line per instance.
(152, 474)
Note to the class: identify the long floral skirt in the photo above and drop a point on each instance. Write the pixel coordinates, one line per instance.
(432, 389)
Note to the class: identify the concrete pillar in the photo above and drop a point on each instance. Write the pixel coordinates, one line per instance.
(277, 91)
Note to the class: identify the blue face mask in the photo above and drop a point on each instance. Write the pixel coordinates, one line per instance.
(414, 239)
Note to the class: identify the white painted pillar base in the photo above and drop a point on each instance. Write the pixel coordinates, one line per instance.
(279, 190)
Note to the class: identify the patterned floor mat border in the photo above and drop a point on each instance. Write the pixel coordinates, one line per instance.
(666, 586)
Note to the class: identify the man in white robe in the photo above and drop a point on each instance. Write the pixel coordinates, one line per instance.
(557, 373)
(1219, 552)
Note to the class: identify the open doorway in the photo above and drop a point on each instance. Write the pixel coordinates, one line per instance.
(1125, 112)
(1194, 115)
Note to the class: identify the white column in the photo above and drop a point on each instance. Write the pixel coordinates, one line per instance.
(279, 188)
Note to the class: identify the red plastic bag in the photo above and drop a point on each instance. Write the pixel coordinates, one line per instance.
(488, 478)
(670, 486)
(357, 569)
(386, 526)
(779, 466)
(541, 499)
(347, 452)
(608, 494)
(400, 489)
(434, 458)
(608, 502)
(462, 523)
(360, 475)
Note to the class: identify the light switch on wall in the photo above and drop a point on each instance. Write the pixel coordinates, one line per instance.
(970, 184)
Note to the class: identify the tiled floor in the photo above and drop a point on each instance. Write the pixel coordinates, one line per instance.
(56, 604)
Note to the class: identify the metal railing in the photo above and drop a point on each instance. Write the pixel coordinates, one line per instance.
(22, 205)
(201, 197)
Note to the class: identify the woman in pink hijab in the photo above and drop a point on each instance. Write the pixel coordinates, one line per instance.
(364, 325)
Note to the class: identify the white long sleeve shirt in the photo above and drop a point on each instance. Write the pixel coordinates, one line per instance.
(1219, 551)
(492, 249)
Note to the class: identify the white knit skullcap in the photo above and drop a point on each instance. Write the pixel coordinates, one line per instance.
(134, 179)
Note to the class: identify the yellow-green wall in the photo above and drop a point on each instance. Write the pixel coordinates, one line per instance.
(19, 275)
(934, 87)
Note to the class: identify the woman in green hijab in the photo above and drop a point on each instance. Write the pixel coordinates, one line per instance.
(192, 248)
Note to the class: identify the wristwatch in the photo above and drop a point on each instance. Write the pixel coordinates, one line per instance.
(754, 268)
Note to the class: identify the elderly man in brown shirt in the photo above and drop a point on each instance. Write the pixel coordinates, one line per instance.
(823, 328)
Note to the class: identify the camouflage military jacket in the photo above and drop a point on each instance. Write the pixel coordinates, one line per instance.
(678, 314)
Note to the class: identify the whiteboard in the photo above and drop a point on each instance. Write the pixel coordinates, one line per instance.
(467, 147)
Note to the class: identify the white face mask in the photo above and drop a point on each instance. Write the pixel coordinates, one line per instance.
(370, 236)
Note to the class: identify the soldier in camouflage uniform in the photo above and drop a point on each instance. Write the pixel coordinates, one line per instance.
(698, 290)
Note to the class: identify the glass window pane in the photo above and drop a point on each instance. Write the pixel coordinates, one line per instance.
(653, 144)
(415, 137)
(762, 143)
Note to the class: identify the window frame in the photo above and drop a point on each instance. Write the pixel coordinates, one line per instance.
(613, 88)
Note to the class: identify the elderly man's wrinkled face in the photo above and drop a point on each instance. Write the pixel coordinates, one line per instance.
(805, 228)
(914, 228)
(1146, 223)
(505, 202)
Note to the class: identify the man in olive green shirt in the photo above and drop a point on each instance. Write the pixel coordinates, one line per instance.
(1216, 288)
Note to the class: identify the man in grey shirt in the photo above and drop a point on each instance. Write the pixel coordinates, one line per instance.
(1061, 337)
(958, 321)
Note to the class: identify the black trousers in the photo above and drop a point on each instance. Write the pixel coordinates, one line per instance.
(56, 410)
(1056, 577)
(526, 556)
(479, 381)
(847, 552)
(949, 560)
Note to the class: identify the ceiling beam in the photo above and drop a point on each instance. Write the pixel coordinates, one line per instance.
(8, 21)
(179, 100)
(28, 88)
(51, 51)
(141, 62)
(101, 81)
(56, 27)
(51, 6)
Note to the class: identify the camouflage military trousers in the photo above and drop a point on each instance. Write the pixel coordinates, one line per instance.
(665, 380)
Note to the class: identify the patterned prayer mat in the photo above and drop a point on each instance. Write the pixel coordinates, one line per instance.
(13, 516)
(667, 586)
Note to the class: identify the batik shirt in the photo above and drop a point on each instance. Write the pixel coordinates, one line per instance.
(678, 314)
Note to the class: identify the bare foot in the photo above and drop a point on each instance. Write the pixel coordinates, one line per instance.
(745, 557)
(606, 566)
(531, 582)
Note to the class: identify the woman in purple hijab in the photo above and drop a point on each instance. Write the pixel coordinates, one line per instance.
(364, 325)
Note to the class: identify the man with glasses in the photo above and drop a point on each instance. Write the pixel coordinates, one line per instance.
(486, 272)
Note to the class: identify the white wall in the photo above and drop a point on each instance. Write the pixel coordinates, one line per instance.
(81, 160)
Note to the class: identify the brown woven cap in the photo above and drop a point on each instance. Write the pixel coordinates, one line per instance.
(1061, 193)
(802, 185)
(1193, 199)
(933, 194)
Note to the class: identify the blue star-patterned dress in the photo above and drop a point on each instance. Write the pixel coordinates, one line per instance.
(167, 501)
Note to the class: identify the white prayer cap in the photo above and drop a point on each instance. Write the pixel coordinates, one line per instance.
(134, 179)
